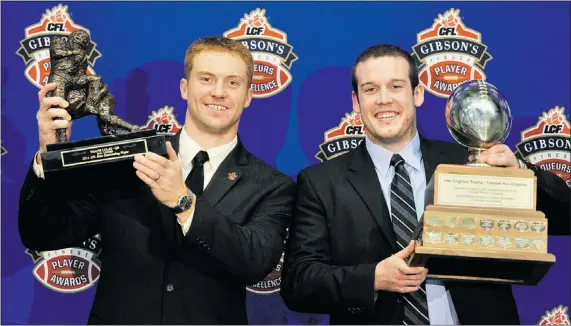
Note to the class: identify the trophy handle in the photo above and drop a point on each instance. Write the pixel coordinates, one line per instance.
(61, 136)
(476, 151)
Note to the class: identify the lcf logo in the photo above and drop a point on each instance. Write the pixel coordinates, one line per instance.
(35, 47)
(163, 121)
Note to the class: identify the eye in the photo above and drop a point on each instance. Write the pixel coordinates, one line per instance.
(370, 89)
(234, 83)
(205, 78)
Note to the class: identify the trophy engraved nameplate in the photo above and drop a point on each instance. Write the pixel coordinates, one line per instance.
(88, 95)
(480, 222)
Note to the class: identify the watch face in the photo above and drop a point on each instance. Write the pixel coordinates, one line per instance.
(185, 202)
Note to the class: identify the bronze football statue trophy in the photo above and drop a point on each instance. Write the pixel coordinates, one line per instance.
(88, 95)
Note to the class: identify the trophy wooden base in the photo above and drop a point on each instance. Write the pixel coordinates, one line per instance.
(480, 266)
(100, 157)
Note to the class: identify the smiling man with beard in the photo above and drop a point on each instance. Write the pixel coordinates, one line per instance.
(354, 215)
(181, 247)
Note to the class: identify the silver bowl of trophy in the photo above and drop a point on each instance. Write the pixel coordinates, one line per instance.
(478, 117)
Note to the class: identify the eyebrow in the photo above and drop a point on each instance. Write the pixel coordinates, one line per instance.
(394, 80)
(211, 74)
(367, 83)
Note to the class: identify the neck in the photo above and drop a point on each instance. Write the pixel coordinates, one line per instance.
(394, 145)
(208, 139)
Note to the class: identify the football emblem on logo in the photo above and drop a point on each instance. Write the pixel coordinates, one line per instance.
(68, 270)
(449, 53)
(35, 48)
(273, 56)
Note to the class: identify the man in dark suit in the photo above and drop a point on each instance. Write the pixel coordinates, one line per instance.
(180, 246)
(354, 215)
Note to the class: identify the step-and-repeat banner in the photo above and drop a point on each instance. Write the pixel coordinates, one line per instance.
(301, 114)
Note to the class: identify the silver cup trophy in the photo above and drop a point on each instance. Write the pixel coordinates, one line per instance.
(480, 222)
(478, 117)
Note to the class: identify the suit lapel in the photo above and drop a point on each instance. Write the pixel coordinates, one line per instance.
(431, 157)
(364, 179)
(226, 176)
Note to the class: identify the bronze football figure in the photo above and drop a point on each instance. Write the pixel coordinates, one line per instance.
(85, 94)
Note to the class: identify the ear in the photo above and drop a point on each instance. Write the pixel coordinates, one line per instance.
(183, 88)
(418, 95)
(356, 107)
(249, 96)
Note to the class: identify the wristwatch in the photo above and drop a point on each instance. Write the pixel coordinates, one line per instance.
(184, 203)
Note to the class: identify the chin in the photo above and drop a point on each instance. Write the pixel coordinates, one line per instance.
(219, 127)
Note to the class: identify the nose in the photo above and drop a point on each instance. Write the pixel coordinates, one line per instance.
(384, 96)
(218, 90)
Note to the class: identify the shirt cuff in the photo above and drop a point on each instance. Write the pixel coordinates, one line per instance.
(38, 169)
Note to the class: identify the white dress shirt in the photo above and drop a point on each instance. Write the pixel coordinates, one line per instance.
(440, 307)
(188, 148)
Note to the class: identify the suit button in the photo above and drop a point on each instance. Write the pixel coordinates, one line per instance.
(399, 299)
(170, 288)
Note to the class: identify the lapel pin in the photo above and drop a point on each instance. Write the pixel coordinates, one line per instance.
(232, 176)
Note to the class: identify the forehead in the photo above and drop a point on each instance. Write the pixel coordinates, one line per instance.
(219, 63)
(382, 69)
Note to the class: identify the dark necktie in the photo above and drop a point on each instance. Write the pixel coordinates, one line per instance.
(404, 218)
(195, 179)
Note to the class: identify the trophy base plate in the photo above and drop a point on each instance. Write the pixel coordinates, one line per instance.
(524, 268)
(101, 156)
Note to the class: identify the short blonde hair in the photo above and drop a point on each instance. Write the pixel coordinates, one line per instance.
(222, 44)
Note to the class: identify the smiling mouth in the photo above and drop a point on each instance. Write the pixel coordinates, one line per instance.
(386, 115)
(216, 107)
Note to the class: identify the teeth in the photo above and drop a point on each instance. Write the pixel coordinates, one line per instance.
(383, 115)
(216, 107)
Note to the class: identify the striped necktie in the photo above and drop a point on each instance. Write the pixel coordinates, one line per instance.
(404, 218)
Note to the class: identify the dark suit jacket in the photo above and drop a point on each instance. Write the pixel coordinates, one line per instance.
(341, 229)
(150, 274)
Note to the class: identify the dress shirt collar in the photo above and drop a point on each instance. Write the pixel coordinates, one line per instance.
(381, 156)
(188, 148)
